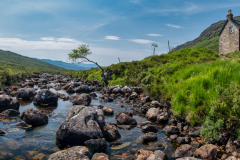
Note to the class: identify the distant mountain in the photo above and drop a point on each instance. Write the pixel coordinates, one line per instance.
(14, 60)
(69, 66)
(208, 38)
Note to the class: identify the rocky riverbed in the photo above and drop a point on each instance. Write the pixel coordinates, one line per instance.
(55, 117)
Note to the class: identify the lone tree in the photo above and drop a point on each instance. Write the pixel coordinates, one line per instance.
(81, 54)
(154, 45)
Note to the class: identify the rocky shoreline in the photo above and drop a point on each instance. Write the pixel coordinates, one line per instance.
(85, 131)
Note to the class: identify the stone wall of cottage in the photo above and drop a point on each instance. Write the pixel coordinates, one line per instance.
(229, 42)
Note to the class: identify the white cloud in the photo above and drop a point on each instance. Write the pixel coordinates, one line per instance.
(47, 38)
(44, 43)
(112, 38)
(141, 41)
(155, 35)
(174, 26)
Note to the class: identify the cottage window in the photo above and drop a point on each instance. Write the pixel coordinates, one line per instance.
(231, 30)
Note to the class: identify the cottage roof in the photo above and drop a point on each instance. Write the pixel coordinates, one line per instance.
(234, 22)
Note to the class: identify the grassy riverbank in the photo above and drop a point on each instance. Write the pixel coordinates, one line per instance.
(193, 80)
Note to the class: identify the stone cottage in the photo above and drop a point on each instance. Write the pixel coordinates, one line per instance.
(229, 35)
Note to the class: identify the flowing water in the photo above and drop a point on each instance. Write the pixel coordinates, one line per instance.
(40, 142)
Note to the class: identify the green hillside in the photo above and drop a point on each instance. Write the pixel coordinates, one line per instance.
(195, 81)
(208, 38)
(15, 60)
(15, 67)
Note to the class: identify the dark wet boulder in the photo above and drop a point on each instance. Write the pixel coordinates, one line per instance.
(171, 130)
(96, 145)
(83, 99)
(133, 96)
(26, 93)
(73, 153)
(152, 114)
(93, 94)
(141, 124)
(184, 150)
(2, 132)
(116, 90)
(23, 124)
(183, 140)
(45, 97)
(111, 133)
(194, 132)
(81, 124)
(34, 117)
(68, 85)
(129, 113)
(126, 90)
(42, 80)
(149, 128)
(146, 99)
(6, 102)
(83, 89)
(100, 156)
(10, 113)
(208, 151)
(163, 117)
(70, 89)
(124, 119)
(107, 111)
(148, 137)
(158, 155)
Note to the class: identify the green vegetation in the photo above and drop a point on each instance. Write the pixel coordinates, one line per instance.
(212, 43)
(201, 87)
(14, 67)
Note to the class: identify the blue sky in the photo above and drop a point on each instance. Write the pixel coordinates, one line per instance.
(50, 29)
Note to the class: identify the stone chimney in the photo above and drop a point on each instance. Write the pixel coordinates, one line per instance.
(230, 15)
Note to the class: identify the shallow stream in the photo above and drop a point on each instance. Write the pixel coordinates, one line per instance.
(40, 142)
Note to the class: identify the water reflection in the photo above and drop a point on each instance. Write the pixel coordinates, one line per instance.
(40, 142)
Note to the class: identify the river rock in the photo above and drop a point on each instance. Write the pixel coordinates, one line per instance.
(83, 99)
(6, 102)
(194, 132)
(73, 153)
(116, 90)
(188, 158)
(83, 89)
(163, 117)
(62, 96)
(184, 150)
(144, 154)
(107, 111)
(96, 145)
(183, 140)
(70, 89)
(66, 86)
(26, 93)
(148, 137)
(207, 151)
(45, 97)
(100, 156)
(24, 125)
(126, 90)
(173, 137)
(34, 117)
(2, 133)
(10, 113)
(111, 133)
(124, 119)
(158, 155)
(152, 114)
(149, 128)
(171, 130)
(81, 124)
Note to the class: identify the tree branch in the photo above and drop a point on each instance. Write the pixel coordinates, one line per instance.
(94, 63)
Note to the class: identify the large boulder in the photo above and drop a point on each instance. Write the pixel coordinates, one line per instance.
(124, 119)
(111, 133)
(171, 130)
(116, 90)
(148, 137)
(45, 97)
(208, 151)
(81, 124)
(126, 90)
(83, 89)
(100, 156)
(194, 132)
(158, 155)
(6, 102)
(73, 153)
(83, 99)
(34, 117)
(153, 113)
(96, 145)
(26, 93)
(107, 111)
(184, 150)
